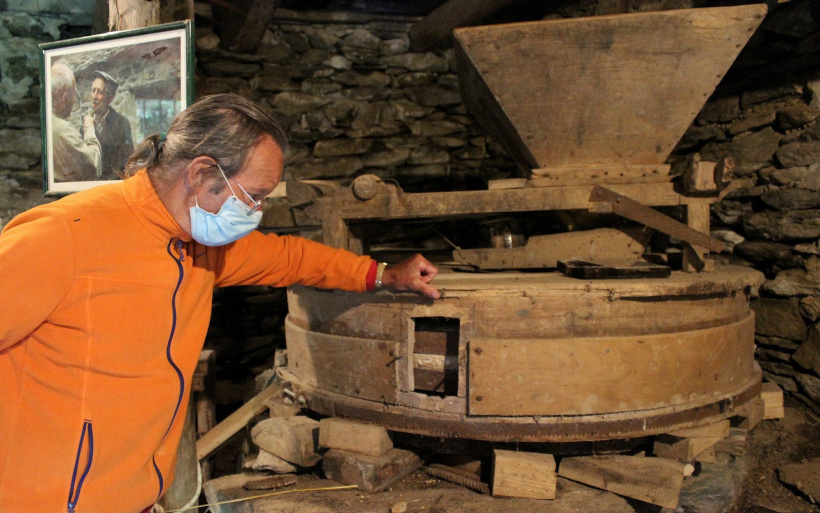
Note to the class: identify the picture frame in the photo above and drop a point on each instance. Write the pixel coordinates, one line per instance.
(101, 95)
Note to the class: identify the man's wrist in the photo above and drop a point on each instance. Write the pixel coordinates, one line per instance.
(380, 274)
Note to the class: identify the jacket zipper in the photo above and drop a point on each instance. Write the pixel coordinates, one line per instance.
(178, 258)
(74, 492)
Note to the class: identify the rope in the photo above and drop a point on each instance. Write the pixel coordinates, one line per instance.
(261, 497)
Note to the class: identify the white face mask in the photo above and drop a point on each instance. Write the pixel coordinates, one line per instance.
(234, 220)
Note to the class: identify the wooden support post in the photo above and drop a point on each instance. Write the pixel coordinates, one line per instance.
(524, 474)
(697, 218)
(437, 27)
(653, 480)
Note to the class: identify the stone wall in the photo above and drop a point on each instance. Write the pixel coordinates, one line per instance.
(765, 116)
(354, 101)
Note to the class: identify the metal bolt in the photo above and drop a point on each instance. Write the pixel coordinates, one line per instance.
(301, 400)
(478, 350)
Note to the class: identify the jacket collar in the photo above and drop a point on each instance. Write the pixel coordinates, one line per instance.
(144, 202)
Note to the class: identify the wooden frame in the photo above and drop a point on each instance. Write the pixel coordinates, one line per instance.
(151, 73)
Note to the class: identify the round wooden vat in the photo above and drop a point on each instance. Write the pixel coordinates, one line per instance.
(530, 356)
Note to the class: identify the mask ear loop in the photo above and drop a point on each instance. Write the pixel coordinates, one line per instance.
(227, 181)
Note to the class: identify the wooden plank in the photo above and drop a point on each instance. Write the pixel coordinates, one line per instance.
(438, 204)
(523, 474)
(653, 480)
(346, 365)
(631, 209)
(544, 251)
(594, 375)
(635, 85)
(211, 440)
(599, 175)
(437, 27)
(348, 435)
(586, 270)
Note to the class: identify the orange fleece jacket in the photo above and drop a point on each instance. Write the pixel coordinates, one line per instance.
(106, 307)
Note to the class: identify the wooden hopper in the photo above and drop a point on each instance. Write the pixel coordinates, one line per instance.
(606, 90)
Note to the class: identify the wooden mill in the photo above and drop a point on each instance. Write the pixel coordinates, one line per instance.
(592, 108)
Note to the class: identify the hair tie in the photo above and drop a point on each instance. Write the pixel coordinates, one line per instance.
(162, 136)
(161, 142)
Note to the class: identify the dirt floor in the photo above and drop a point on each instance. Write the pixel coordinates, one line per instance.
(746, 483)
(772, 444)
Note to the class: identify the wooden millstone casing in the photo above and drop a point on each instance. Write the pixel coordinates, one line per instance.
(530, 357)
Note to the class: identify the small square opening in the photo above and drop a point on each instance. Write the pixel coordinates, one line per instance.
(435, 355)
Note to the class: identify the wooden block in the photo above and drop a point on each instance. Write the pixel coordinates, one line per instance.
(294, 439)
(369, 473)
(653, 480)
(278, 407)
(682, 449)
(335, 433)
(772, 397)
(523, 474)
(751, 415)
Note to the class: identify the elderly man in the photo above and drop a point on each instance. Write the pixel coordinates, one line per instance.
(76, 156)
(100, 341)
(112, 128)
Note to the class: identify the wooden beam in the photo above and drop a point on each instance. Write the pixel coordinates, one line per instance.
(653, 480)
(437, 27)
(243, 33)
(535, 199)
(631, 209)
(544, 251)
(211, 440)
(600, 175)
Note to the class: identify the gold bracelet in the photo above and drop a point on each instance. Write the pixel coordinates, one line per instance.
(379, 272)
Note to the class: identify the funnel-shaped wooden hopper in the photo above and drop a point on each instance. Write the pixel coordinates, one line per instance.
(603, 90)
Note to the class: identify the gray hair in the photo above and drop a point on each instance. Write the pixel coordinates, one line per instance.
(224, 127)
(62, 79)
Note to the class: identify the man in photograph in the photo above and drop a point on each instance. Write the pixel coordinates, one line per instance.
(76, 156)
(112, 128)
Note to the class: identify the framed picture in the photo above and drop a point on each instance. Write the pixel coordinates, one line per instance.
(101, 95)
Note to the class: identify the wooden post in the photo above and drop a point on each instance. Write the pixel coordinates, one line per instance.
(697, 218)
(132, 14)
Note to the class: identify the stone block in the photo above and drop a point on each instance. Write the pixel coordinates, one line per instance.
(720, 110)
(340, 147)
(810, 385)
(805, 477)
(807, 355)
(799, 154)
(369, 473)
(418, 62)
(783, 225)
(791, 198)
(810, 308)
(779, 318)
(750, 151)
(797, 282)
